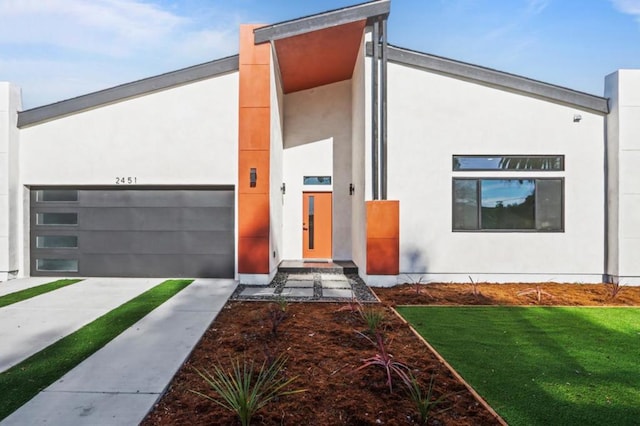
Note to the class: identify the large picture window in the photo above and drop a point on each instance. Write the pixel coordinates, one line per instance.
(531, 204)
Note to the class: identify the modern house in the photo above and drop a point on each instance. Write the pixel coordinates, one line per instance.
(320, 140)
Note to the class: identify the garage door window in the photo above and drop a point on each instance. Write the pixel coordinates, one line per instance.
(57, 195)
(52, 219)
(56, 241)
(57, 265)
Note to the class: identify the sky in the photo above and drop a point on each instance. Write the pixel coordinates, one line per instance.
(58, 49)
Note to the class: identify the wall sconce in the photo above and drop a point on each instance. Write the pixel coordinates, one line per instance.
(352, 189)
(253, 177)
(283, 188)
(577, 118)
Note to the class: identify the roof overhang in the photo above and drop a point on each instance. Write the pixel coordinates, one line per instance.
(127, 91)
(320, 49)
(498, 79)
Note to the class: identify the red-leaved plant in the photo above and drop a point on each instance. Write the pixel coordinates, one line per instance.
(385, 360)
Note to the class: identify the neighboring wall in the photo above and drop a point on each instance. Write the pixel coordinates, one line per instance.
(623, 157)
(186, 135)
(317, 141)
(431, 118)
(9, 189)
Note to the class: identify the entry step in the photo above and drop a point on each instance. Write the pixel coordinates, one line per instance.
(329, 267)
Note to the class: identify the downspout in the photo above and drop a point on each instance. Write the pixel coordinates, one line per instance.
(374, 112)
(383, 114)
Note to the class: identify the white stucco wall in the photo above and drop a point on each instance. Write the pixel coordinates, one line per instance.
(10, 103)
(276, 172)
(317, 142)
(623, 132)
(358, 140)
(185, 135)
(431, 118)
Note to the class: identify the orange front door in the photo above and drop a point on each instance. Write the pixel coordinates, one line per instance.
(316, 225)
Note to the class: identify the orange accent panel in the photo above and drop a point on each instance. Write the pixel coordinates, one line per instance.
(254, 85)
(383, 237)
(253, 255)
(383, 219)
(255, 129)
(319, 57)
(251, 53)
(253, 215)
(258, 160)
(320, 232)
(383, 256)
(253, 152)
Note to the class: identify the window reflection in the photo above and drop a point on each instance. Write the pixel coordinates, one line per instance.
(508, 204)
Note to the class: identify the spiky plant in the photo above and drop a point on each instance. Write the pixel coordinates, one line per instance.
(386, 361)
(373, 317)
(423, 402)
(245, 388)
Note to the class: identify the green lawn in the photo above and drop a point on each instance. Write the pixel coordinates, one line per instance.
(543, 365)
(23, 381)
(28, 293)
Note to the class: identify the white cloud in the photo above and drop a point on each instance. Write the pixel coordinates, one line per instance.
(111, 27)
(116, 28)
(535, 7)
(56, 49)
(629, 7)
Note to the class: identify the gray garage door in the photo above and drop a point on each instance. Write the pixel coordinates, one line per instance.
(141, 232)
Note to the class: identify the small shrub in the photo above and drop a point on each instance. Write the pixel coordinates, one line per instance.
(373, 317)
(538, 291)
(276, 315)
(353, 305)
(385, 360)
(418, 284)
(614, 287)
(239, 392)
(474, 288)
(423, 402)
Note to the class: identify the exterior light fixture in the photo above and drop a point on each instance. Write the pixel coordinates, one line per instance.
(577, 118)
(253, 177)
(283, 188)
(352, 189)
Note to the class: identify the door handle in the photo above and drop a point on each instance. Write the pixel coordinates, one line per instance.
(305, 229)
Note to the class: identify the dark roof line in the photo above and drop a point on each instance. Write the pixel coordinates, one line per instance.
(127, 90)
(322, 20)
(500, 79)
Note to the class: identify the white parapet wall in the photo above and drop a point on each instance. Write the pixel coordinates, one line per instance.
(10, 103)
(623, 162)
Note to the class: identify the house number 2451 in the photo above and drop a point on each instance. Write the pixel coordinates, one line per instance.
(128, 180)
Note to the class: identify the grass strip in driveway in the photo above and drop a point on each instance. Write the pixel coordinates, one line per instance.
(542, 365)
(28, 293)
(23, 381)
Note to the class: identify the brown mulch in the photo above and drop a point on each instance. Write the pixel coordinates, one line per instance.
(555, 294)
(324, 348)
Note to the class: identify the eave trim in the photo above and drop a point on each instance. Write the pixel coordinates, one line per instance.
(499, 79)
(126, 91)
(321, 21)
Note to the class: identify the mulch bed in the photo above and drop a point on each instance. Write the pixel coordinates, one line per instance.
(324, 348)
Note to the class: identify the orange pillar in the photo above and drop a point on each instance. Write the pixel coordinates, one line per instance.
(253, 154)
(383, 237)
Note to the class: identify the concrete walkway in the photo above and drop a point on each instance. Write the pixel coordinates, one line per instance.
(309, 286)
(119, 384)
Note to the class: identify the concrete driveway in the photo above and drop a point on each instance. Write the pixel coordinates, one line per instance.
(120, 383)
